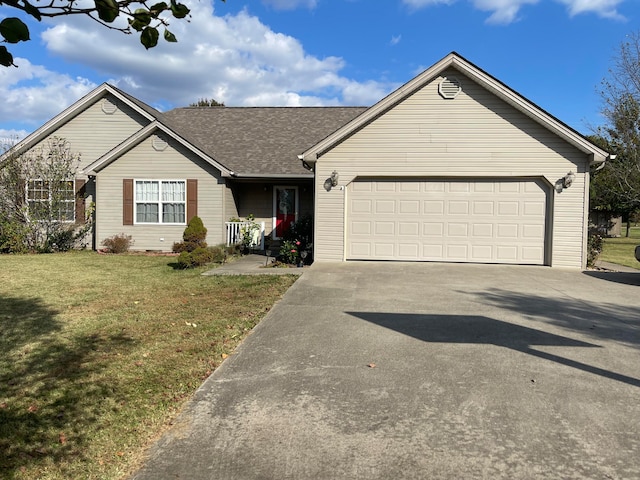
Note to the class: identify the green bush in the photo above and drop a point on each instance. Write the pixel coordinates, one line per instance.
(290, 252)
(195, 233)
(179, 247)
(60, 241)
(301, 231)
(200, 256)
(193, 237)
(120, 243)
(13, 237)
(297, 239)
(218, 254)
(595, 243)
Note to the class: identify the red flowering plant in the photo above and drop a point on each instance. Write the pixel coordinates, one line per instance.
(290, 251)
(297, 242)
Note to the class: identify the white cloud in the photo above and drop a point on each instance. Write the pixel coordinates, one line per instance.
(395, 39)
(31, 93)
(235, 59)
(603, 8)
(507, 11)
(504, 11)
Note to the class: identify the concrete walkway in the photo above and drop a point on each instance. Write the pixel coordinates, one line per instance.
(374, 370)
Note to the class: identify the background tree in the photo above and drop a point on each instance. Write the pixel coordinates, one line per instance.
(141, 16)
(205, 102)
(617, 185)
(37, 200)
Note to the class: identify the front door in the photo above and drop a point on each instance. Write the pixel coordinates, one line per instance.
(285, 208)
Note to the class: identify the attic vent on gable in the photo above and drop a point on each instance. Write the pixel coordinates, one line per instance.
(109, 107)
(449, 87)
(159, 143)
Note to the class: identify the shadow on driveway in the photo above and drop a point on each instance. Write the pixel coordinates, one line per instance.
(472, 329)
(628, 278)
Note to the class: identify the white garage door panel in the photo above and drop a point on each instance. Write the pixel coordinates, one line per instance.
(483, 221)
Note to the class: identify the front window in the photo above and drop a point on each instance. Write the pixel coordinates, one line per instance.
(160, 201)
(47, 203)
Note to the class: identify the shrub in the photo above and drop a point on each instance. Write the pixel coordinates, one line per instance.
(595, 243)
(118, 243)
(60, 241)
(200, 256)
(13, 237)
(299, 237)
(179, 247)
(290, 252)
(218, 254)
(248, 232)
(193, 237)
(195, 233)
(301, 231)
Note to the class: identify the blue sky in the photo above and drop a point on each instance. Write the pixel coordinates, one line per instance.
(322, 52)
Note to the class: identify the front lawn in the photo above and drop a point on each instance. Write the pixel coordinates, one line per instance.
(621, 250)
(99, 352)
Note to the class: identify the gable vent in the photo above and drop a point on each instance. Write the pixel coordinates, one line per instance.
(449, 87)
(109, 107)
(159, 143)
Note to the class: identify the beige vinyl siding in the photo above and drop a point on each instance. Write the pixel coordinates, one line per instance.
(93, 132)
(230, 205)
(143, 162)
(473, 135)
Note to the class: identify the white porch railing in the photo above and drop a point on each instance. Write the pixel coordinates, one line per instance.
(235, 231)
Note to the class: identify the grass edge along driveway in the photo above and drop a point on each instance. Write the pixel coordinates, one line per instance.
(99, 353)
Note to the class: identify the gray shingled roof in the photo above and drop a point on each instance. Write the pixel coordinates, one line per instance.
(258, 140)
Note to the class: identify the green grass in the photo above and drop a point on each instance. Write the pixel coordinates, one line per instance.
(98, 353)
(621, 250)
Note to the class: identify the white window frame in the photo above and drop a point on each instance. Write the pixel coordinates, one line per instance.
(160, 203)
(49, 200)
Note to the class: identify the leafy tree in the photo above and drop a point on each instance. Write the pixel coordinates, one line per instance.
(142, 17)
(617, 185)
(37, 200)
(205, 102)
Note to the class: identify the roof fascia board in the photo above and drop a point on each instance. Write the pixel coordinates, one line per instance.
(72, 111)
(487, 81)
(141, 135)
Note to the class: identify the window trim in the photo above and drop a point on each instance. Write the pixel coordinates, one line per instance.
(71, 200)
(160, 202)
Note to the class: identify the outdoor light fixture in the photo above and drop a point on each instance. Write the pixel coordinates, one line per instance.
(568, 179)
(334, 178)
(565, 182)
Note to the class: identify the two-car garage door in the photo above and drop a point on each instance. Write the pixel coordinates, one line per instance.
(470, 220)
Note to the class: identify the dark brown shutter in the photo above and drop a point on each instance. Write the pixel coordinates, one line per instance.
(127, 201)
(80, 191)
(192, 198)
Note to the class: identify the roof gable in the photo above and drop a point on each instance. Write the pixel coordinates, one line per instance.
(143, 134)
(80, 106)
(496, 87)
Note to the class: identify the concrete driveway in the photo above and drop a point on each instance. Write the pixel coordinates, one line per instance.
(424, 371)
